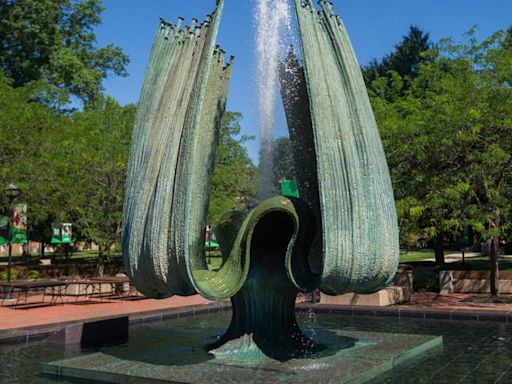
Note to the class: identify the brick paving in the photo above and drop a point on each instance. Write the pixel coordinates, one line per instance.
(19, 318)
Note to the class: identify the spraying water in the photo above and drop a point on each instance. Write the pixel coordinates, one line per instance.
(273, 33)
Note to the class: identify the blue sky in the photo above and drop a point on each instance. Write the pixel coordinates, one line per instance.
(375, 26)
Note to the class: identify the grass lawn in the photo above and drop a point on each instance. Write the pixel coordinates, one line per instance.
(214, 260)
(414, 256)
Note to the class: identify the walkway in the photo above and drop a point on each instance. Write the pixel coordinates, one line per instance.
(11, 318)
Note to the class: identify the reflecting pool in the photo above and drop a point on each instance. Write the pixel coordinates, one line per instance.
(473, 352)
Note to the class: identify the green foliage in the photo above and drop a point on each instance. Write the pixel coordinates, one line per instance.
(234, 182)
(33, 275)
(97, 162)
(15, 272)
(426, 282)
(29, 132)
(448, 139)
(54, 41)
(70, 168)
(392, 76)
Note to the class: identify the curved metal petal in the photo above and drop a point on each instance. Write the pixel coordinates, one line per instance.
(358, 217)
(172, 156)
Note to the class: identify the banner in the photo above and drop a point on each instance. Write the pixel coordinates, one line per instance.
(19, 224)
(62, 233)
(4, 230)
(56, 234)
(67, 233)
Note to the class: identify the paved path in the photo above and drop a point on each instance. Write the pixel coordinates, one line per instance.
(455, 257)
(11, 318)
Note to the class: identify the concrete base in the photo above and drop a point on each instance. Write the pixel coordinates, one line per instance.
(93, 334)
(350, 357)
(384, 297)
(472, 282)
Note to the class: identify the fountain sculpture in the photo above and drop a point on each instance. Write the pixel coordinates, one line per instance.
(340, 236)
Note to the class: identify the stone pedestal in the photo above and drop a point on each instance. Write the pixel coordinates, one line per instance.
(382, 298)
(399, 291)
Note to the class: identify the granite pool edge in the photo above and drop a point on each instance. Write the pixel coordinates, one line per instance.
(37, 333)
(410, 312)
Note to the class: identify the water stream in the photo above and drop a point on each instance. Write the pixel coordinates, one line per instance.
(273, 35)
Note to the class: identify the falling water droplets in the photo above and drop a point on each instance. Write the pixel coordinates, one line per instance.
(310, 324)
(273, 36)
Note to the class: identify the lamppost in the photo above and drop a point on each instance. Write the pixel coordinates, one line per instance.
(12, 193)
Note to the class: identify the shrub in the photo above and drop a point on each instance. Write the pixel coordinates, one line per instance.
(14, 274)
(33, 275)
(426, 282)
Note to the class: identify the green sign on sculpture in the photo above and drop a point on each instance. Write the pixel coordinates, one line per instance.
(339, 236)
(289, 188)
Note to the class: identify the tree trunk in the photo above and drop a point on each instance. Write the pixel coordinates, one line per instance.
(100, 262)
(41, 250)
(438, 249)
(494, 268)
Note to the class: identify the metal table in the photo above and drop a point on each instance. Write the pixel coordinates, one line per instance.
(21, 289)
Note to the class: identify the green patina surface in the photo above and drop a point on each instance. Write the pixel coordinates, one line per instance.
(172, 157)
(358, 217)
(342, 233)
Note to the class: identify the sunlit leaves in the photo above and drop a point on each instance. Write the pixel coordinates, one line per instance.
(448, 138)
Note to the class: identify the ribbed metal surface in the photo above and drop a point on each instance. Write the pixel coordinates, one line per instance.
(172, 157)
(358, 217)
(345, 181)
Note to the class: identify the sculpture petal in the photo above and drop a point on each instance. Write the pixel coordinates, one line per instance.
(358, 216)
(172, 157)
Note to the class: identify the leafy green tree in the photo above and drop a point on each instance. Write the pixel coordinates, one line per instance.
(234, 182)
(97, 157)
(29, 134)
(54, 41)
(396, 70)
(449, 143)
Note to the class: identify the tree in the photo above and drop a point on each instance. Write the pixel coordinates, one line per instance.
(234, 180)
(97, 163)
(70, 168)
(54, 41)
(404, 61)
(29, 134)
(449, 142)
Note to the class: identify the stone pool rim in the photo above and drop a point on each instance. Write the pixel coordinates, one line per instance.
(25, 335)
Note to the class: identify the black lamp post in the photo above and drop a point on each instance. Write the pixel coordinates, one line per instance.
(12, 192)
